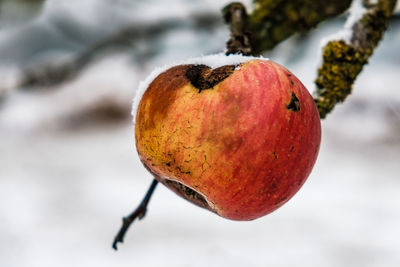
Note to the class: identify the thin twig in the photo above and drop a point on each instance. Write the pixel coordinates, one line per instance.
(139, 212)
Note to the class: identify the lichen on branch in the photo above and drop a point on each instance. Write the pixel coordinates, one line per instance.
(273, 21)
(344, 60)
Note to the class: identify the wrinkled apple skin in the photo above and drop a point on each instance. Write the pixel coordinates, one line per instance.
(246, 145)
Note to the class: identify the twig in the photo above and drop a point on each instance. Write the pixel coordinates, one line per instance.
(139, 212)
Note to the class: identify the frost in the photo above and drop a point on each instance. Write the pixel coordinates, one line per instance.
(213, 61)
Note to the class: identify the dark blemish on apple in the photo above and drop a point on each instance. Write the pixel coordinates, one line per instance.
(168, 164)
(294, 103)
(291, 82)
(275, 155)
(203, 77)
(188, 193)
(291, 149)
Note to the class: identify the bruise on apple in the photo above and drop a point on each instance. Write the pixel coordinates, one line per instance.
(203, 77)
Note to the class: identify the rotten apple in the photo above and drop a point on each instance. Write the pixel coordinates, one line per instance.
(239, 140)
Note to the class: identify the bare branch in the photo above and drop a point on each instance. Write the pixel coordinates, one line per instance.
(236, 16)
(122, 40)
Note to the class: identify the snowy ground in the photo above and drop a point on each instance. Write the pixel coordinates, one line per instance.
(63, 188)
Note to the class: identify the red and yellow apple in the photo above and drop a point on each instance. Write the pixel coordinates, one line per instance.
(238, 140)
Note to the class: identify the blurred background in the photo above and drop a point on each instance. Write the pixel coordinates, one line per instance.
(69, 170)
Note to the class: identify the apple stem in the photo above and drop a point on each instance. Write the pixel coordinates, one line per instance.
(235, 16)
(139, 212)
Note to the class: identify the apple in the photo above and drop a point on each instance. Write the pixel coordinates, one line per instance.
(239, 140)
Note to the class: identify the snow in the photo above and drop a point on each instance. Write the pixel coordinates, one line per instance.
(213, 61)
(10, 79)
(109, 81)
(356, 11)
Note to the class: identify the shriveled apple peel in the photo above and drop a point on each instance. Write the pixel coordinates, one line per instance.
(233, 134)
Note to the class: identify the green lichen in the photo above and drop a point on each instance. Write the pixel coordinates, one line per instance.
(342, 62)
(273, 21)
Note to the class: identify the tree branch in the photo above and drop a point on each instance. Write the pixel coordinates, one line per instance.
(50, 75)
(235, 16)
(343, 61)
(273, 21)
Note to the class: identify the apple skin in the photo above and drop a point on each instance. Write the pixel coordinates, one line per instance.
(241, 148)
